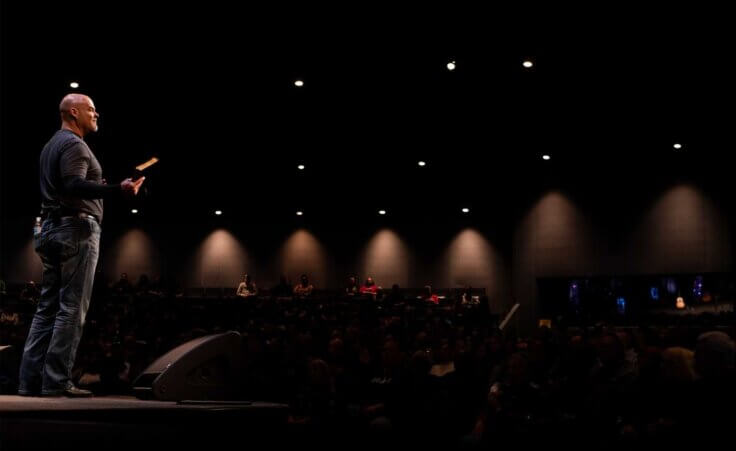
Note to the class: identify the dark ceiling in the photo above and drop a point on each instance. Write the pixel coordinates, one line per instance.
(209, 90)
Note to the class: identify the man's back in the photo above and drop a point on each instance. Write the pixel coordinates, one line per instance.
(67, 155)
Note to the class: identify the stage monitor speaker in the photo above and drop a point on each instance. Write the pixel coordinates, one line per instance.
(206, 368)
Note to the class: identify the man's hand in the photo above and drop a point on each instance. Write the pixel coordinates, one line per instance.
(131, 186)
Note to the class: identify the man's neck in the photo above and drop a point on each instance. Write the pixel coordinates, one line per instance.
(72, 128)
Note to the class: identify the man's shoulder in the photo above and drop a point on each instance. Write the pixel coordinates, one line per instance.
(64, 136)
(64, 140)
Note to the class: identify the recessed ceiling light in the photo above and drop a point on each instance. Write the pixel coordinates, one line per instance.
(451, 65)
(299, 83)
(466, 210)
(422, 163)
(218, 212)
(300, 167)
(528, 64)
(381, 212)
(134, 211)
(74, 85)
(677, 146)
(299, 213)
(546, 157)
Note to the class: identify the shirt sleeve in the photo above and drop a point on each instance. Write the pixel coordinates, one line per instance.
(74, 162)
(73, 166)
(85, 189)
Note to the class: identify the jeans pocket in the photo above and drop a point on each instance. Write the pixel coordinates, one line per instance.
(69, 247)
(67, 240)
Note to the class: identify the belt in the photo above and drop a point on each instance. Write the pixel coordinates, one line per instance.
(81, 215)
(87, 215)
(58, 214)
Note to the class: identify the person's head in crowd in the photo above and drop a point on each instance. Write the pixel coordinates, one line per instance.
(610, 350)
(443, 352)
(420, 363)
(495, 345)
(369, 281)
(31, 288)
(421, 341)
(364, 355)
(678, 365)
(304, 280)
(336, 349)
(391, 355)
(714, 355)
(518, 369)
(319, 373)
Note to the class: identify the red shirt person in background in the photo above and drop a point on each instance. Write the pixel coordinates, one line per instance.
(431, 297)
(369, 287)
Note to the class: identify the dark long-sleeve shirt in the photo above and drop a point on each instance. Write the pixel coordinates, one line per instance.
(71, 176)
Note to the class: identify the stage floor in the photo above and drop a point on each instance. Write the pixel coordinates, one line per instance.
(116, 422)
(28, 404)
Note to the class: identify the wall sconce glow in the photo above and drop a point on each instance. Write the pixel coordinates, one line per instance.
(218, 212)
(677, 146)
(451, 65)
(134, 211)
(381, 212)
(299, 213)
(422, 163)
(546, 157)
(300, 167)
(299, 83)
(466, 210)
(220, 261)
(74, 85)
(528, 64)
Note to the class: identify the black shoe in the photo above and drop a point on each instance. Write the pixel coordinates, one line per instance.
(32, 394)
(76, 392)
(71, 392)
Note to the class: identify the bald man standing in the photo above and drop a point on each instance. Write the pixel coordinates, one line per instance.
(72, 189)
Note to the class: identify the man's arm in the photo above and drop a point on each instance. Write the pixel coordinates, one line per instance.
(85, 189)
(79, 187)
(74, 164)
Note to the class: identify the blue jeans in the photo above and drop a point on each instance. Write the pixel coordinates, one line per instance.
(68, 248)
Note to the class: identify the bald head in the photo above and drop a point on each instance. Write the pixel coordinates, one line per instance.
(72, 101)
(78, 113)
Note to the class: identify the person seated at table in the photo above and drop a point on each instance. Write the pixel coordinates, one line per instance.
(369, 287)
(352, 288)
(247, 287)
(429, 296)
(303, 288)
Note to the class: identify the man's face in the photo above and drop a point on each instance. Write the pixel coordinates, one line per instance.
(86, 115)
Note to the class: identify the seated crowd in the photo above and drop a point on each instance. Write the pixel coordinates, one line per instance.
(387, 366)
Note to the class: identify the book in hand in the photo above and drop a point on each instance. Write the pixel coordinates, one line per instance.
(143, 166)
